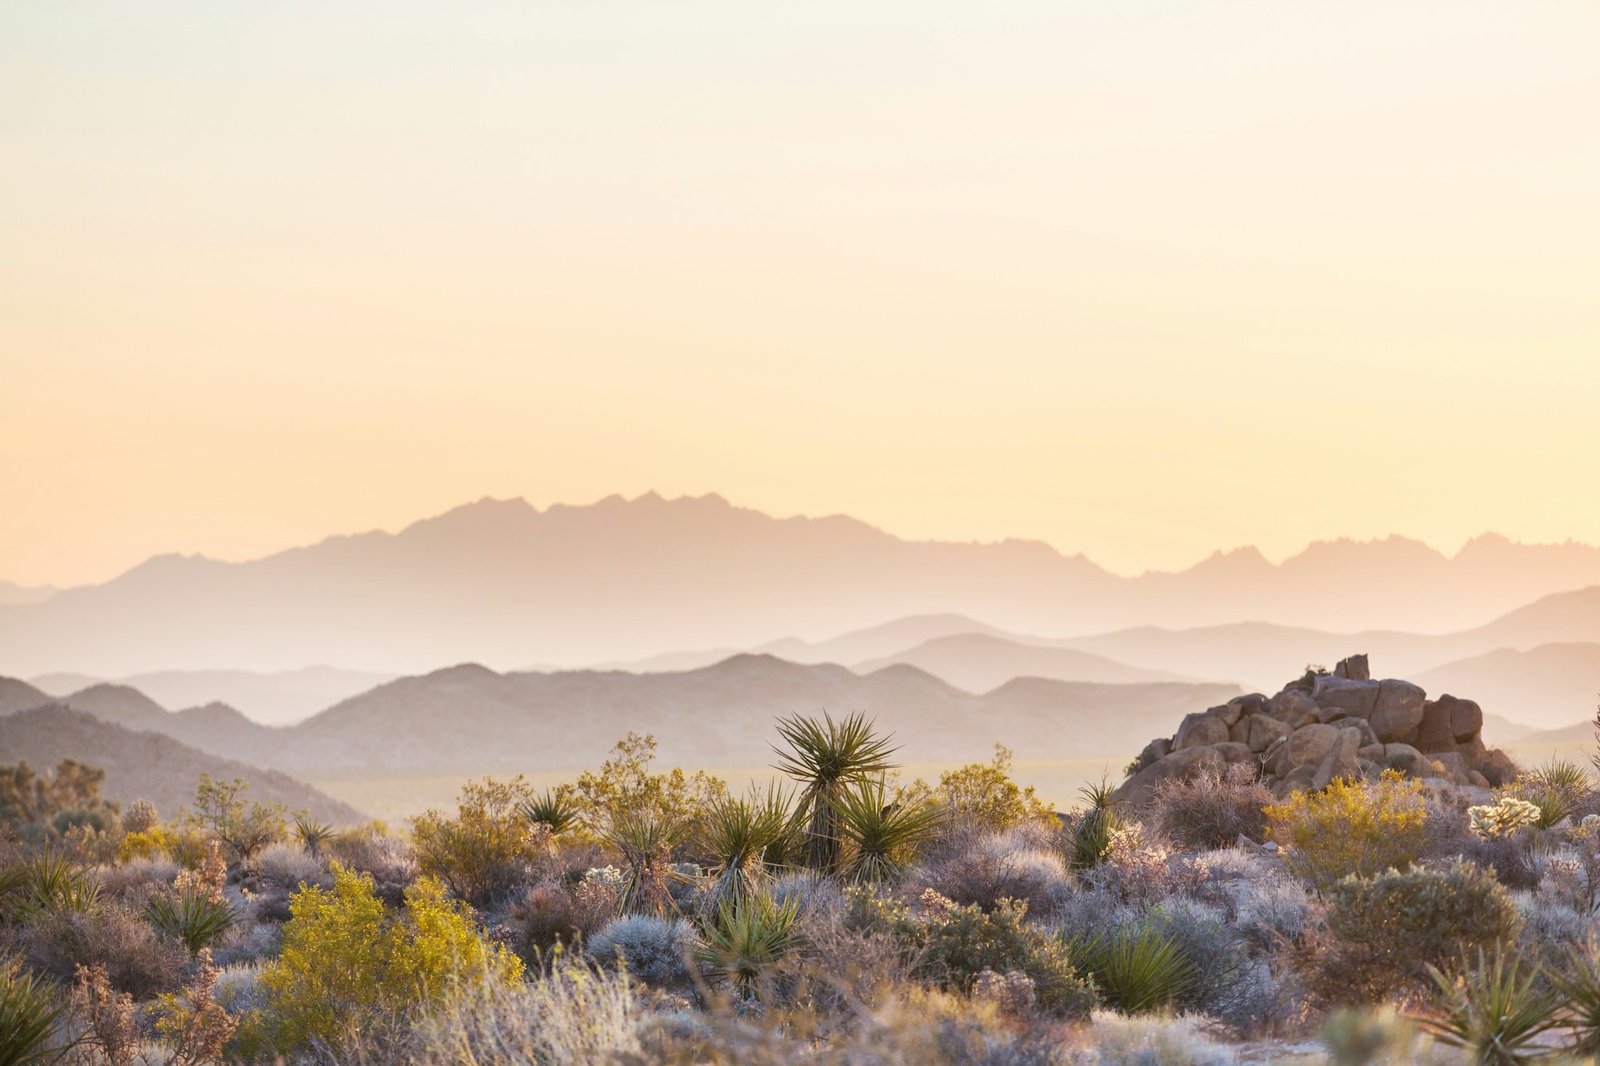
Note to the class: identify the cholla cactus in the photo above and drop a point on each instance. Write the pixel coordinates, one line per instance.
(1501, 819)
(140, 817)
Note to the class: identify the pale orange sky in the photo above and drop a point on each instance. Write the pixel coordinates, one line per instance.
(1140, 279)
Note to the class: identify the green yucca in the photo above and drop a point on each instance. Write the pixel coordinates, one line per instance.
(1135, 968)
(1556, 788)
(1497, 1009)
(737, 833)
(312, 833)
(881, 834)
(1088, 839)
(826, 758)
(28, 1016)
(745, 941)
(1578, 981)
(49, 883)
(645, 842)
(554, 809)
(195, 918)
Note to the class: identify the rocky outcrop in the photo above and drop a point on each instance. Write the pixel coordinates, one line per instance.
(1325, 726)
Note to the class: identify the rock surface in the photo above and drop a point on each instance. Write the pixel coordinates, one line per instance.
(1322, 727)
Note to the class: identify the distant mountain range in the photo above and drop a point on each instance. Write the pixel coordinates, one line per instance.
(505, 583)
(271, 698)
(11, 592)
(148, 765)
(471, 720)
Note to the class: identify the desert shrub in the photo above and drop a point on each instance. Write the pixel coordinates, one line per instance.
(1356, 1036)
(152, 843)
(812, 893)
(488, 847)
(655, 950)
(192, 1027)
(953, 944)
(1136, 871)
(1116, 1040)
(1212, 810)
(140, 817)
(572, 1016)
(248, 943)
(1136, 968)
(986, 868)
(645, 843)
(745, 942)
(137, 958)
(1384, 932)
(625, 785)
(1497, 1008)
(372, 851)
(346, 962)
(1351, 827)
(136, 877)
(244, 826)
(46, 883)
(1270, 910)
(45, 806)
(1557, 791)
(982, 797)
(29, 1011)
(553, 912)
(290, 867)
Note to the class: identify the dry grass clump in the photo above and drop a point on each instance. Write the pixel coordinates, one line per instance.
(1211, 810)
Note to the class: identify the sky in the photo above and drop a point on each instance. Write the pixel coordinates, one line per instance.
(1139, 279)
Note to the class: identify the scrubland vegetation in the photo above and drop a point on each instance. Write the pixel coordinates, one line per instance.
(840, 914)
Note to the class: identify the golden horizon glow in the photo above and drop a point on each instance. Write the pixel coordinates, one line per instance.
(1141, 280)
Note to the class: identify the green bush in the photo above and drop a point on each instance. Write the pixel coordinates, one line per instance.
(746, 941)
(1384, 932)
(194, 917)
(488, 847)
(1351, 827)
(983, 797)
(953, 944)
(245, 827)
(345, 962)
(1136, 968)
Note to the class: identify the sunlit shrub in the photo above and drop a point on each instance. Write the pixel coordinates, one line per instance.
(488, 847)
(1212, 810)
(655, 950)
(345, 961)
(983, 797)
(138, 959)
(1351, 827)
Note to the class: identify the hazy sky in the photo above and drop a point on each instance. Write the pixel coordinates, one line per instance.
(1140, 279)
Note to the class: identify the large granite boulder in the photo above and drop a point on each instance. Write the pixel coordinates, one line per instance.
(1398, 712)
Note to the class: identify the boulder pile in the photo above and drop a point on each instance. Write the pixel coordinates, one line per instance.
(1324, 726)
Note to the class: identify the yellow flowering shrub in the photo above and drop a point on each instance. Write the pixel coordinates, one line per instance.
(1351, 827)
(152, 843)
(345, 960)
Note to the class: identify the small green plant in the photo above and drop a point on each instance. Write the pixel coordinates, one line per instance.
(881, 834)
(244, 826)
(1351, 827)
(1578, 982)
(746, 941)
(28, 1015)
(951, 945)
(196, 918)
(737, 835)
(313, 835)
(48, 883)
(1496, 1009)
(1090, 833)
(827, 758)
(983, 796)
(555, 809)
(1136, 969)
(486, 848)
(645, 842)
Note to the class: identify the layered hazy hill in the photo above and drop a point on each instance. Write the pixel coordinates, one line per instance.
(505, 583)
(469, 719)
(272, 698)
(148, 765)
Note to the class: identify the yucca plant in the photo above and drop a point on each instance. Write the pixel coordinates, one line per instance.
(49, 883)
(554, 809)
(1557, 788)
(1497, 1009)
(312, 834)
(881, 833)
(1578, 982)
(736, 834)
(1088, 839)
(1136, 969)
(826, 758)
(196, 918)
(28, 1015)
(744, 942)
(645, 842)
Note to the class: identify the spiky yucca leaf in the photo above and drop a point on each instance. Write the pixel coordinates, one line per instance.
(1088, 838)
(737, 832)
(312, 833)
(1497, 1009)
(745, 941)
(50, 883)
(645, 842)
(1578, 981)
(1137, 969)
(195, 918)
(882, 834)
(826, 757)
(554, 809)
(28, 1015)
